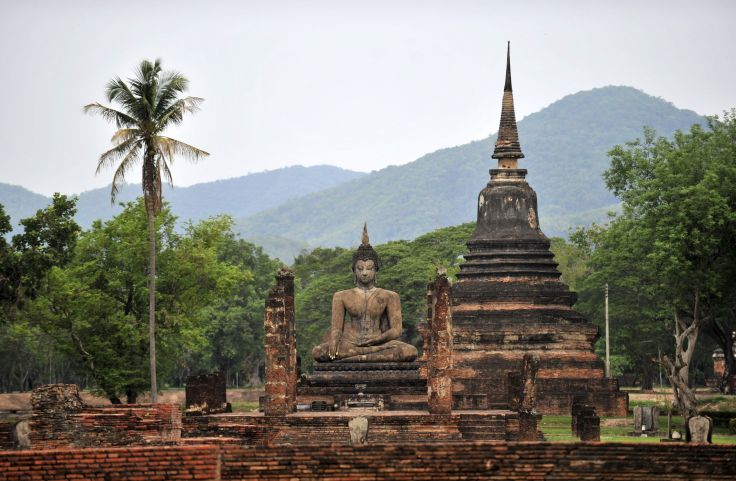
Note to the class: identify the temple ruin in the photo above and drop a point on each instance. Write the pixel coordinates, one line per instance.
(509, 300)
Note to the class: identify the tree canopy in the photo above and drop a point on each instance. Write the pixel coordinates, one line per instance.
(672, 251)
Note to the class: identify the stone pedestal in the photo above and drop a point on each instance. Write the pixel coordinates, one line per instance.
(353, 378)
(529, 426)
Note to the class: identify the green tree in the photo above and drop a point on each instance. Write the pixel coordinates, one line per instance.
(150, 103)
(94, 308)
(47, 242)
(672, 251)
(8, 270)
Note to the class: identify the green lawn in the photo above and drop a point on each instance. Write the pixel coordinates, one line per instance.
(557, 429)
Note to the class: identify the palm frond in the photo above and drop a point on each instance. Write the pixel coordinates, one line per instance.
(118, 179)
(167, 172)
(124, 135)
(178, 147)
(175, 113)
(118, 152)
(119, 91)
(171, 84)
(121, 119)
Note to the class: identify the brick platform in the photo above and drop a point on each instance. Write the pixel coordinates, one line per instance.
(332, 427)
(411, 462)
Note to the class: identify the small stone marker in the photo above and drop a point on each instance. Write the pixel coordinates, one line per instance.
(358, 431)
(701, 429)
(646, 421)
(21, 434)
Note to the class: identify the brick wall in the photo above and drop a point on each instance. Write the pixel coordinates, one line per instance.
(7, 435)
(411, 462)
(107, 464)
(120, 425)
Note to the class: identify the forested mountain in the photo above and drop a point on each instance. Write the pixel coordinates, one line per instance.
(565, 146)
(20, 202)
(238, 197)
(289, 209)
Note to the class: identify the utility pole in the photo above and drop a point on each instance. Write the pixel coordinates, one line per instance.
(608, 339)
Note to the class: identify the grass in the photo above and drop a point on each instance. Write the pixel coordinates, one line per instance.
(615, 430)
(244, 406)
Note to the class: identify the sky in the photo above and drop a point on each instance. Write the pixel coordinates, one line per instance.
(356, 84)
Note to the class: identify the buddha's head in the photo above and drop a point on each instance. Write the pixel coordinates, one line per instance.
(365, 261)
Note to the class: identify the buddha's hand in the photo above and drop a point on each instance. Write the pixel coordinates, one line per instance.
(333, 349)
(370, 342)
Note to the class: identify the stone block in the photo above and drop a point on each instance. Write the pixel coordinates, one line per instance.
(206, 394)
(358, 431)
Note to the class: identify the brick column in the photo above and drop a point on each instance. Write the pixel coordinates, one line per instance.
(523, 398)
(285, 278)
(439, 363)
(278, 348)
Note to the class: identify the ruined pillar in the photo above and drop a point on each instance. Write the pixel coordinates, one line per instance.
(523, 397)
(206, 394)
(439, 362)
(285, 278)
(586, 423)
(280, 347)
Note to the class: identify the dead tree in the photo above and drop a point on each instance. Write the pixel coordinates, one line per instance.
(677, 372)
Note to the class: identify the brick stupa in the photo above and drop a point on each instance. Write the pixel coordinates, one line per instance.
(509, 300)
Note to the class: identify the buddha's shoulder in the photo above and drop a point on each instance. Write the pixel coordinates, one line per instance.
(355, 291)
(386, 293)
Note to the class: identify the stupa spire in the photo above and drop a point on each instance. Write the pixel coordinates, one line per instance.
(507, 149)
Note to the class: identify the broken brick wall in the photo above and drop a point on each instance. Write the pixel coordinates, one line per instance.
(61, 419)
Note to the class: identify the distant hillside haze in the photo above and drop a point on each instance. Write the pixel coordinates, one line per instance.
(566, 147)
(294, 208)
(20, 203)
(238, 197)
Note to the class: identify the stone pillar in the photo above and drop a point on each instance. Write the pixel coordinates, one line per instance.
(280, 381)
(586, 423)
(522, 397)
(590, 426)
(285, 278)
(439, 363)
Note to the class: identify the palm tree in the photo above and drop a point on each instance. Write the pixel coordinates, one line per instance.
(149, 103)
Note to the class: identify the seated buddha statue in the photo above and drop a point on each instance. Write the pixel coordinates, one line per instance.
(366, 320)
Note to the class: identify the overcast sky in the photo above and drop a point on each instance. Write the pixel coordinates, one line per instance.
(357, 84)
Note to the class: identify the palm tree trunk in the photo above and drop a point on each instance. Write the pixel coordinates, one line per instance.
(152, 298)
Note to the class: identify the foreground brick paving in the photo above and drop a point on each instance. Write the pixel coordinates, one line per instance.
(415, 462)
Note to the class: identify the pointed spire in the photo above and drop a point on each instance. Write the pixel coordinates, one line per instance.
(364, 240)
(507, 143)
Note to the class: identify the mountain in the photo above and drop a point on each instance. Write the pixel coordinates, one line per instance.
(565, 146)
(239, 197)
(20, 202)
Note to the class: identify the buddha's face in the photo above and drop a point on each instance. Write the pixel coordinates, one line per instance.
(365, 272)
